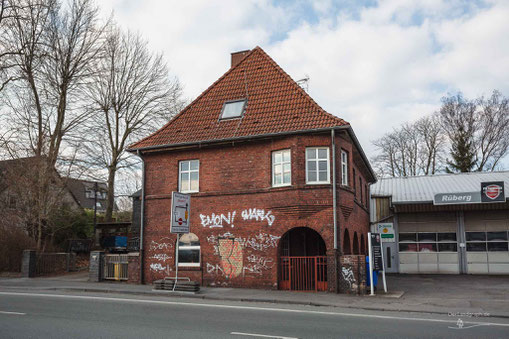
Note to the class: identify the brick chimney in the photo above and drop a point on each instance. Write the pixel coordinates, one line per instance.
(237, 56)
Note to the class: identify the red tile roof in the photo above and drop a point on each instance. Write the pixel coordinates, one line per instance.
(275, 104)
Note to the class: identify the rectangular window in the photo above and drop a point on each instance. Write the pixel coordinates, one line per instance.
(233, 109)
(189, 176)
(281, 168)
(317, 165)
(487, 241)
(360, 186)
(354, 183)
(344, 168)
(428, 242)
(189, 251)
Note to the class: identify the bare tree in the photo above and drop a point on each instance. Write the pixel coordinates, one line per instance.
(7, 15)
(132, 94)
(413, 149)
(432, 147)
(493, 134)
(58, 45)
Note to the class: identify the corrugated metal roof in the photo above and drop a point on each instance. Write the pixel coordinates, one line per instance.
(424, 188)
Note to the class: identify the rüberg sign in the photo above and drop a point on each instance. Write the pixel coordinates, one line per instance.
(457, 198)
(492, 191)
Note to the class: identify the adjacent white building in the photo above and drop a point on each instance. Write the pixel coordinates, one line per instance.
(446, 223)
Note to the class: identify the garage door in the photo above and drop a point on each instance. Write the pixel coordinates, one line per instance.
(487, 235)
(428, 243)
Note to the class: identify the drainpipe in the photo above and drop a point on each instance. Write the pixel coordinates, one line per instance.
(142, 212)
(334, 200)
(334, 209)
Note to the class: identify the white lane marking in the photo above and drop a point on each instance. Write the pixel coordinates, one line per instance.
(261, 335)
(13, 313)
(252, 308)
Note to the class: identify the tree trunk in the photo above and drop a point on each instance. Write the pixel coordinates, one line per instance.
(110, 202)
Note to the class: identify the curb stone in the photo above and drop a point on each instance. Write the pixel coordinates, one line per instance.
(261, 300)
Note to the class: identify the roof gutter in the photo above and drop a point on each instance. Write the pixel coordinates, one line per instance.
(217, 141)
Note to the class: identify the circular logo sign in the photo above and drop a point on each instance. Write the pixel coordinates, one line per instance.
(180, 221)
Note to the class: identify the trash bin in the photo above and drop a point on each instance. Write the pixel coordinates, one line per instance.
(375, 275)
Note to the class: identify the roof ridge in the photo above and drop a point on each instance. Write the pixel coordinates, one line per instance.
(299, 88)
(439, 175)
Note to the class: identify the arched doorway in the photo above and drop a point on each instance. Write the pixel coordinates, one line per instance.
(355, 243)
(302, 261)
(346, 243)
(363, 245)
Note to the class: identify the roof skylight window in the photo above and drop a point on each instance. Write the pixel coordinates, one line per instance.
(233, 109)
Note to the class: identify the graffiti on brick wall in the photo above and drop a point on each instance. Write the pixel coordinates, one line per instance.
(257, 264)
(221, 220)
(157, 267)
(230, 252)
(233, 251)
(348, 276)
(258, 215)
(218, 220)
(215, 269)
(260, 242)
(159, 255)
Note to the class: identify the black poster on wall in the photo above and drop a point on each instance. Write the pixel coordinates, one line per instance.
(376, 250)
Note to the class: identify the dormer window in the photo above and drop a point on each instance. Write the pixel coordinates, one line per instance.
(233, 109)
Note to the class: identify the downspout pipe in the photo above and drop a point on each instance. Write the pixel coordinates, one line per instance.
(142, 217)
(334, 198)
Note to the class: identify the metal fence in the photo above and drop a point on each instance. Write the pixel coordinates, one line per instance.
(303, 273)
(51, 263)
(133, 244)
(115, 266)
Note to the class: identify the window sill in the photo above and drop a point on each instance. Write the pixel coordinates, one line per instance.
(279, 186)
(318, 183)
(189, 268)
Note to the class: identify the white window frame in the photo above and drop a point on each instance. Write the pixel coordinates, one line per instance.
(282, 163)
(344, 169)
(189, 171)
(317, 182)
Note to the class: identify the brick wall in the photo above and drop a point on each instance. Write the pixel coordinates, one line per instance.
(352, 274)
(133, 268)
(238, 216)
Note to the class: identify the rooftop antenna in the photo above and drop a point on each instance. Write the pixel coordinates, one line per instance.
(304, 82)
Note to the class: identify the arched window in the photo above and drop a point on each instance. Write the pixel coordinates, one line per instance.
(346, 243)
(189, 251)
(363, 245)
(355, 243)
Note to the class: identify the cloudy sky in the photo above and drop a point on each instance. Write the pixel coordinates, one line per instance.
(373, 63)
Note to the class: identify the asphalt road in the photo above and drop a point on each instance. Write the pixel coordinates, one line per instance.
(37, 315)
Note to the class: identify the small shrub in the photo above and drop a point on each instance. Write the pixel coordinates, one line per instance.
(13, 241)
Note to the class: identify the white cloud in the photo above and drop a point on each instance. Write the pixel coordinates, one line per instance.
(375, 67)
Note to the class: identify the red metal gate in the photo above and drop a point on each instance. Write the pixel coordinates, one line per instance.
(303, 273)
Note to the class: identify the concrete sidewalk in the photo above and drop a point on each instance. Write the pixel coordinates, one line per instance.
(453, 295)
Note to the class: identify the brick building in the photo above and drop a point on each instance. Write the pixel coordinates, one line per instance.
(260, 159)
